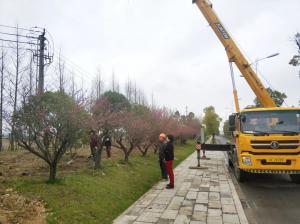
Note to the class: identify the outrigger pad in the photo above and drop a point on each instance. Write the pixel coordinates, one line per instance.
(217, 147)
(198, 167)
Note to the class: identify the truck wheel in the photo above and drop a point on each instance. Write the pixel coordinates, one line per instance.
(230, 163)
(239, 174)
(295, 178)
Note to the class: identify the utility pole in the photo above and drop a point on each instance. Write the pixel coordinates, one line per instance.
(42, 39)
(30, 77)
(1, 97)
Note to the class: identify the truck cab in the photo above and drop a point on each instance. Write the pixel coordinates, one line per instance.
(265, 140)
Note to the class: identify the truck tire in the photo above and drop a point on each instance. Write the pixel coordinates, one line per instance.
(295, 178)
(239, 174)
(230, 163)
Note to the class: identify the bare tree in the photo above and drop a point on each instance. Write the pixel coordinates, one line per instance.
(99, 84)
(61, 73)
(104, 121)
(73, 85)
(128, 90)
(115, 86)
(56, 123)
(31, 80)
(130, 133)
(135, 93)
(16, 84)
(1, 98)
(113, 81)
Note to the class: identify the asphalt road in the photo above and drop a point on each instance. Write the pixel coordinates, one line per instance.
(269, 199)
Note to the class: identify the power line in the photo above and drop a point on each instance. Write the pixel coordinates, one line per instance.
(15, 48)
(77, 68)
(70, 62)
(18, 35)
(14, 27)
(16, 41)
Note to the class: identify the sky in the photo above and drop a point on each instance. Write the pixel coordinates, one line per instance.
(167, 47)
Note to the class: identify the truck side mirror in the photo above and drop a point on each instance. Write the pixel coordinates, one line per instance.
(232, 126)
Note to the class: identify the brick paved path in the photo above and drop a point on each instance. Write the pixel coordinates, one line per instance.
(200, 196)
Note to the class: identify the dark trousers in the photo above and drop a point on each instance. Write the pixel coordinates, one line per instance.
(93, 151)
(108, 153)
(169, 166)
(163, 169)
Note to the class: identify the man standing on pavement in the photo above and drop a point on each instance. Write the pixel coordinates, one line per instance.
(161, 155)
(169, 158)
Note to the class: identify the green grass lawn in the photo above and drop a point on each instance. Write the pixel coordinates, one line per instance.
(91, 197)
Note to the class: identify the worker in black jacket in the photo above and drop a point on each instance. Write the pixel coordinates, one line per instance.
(169, 158)
(161, 156)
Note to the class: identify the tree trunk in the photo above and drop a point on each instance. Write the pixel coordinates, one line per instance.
(155, 148)
(144, 153)
(142, 150)
(52, 174)
(98, 156)
(146, 148)
(126, 157)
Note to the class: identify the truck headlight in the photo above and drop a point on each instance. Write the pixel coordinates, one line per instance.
(247, 160)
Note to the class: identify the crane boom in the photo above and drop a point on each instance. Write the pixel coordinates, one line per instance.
(234, 54)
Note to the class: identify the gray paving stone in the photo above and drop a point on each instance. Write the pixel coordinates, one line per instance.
(197, 222)
(199, 216)
(169, 214)
(151, 217)
(188, 203)
(191, 195)
(229, 209)
(214, 212)
(214, 188)
(214, 204)
(205, 189)
(165, 221)
(141, 222)
(135, 211)
(188, 210)
(182, 219)
(176, 203)
(125, 219)
(226, 195)
(214, 196)
(205, 183)
(230, 218)
(163, 201)
(194, 187)
(202, 198)
(182, 193)
(214, 220)
(200, 207)
(227, 201)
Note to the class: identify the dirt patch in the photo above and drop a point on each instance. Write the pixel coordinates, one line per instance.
(15, 208)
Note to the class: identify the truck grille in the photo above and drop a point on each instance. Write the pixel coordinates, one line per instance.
(280, 144)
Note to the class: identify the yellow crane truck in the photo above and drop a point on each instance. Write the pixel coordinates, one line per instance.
(265, 139)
